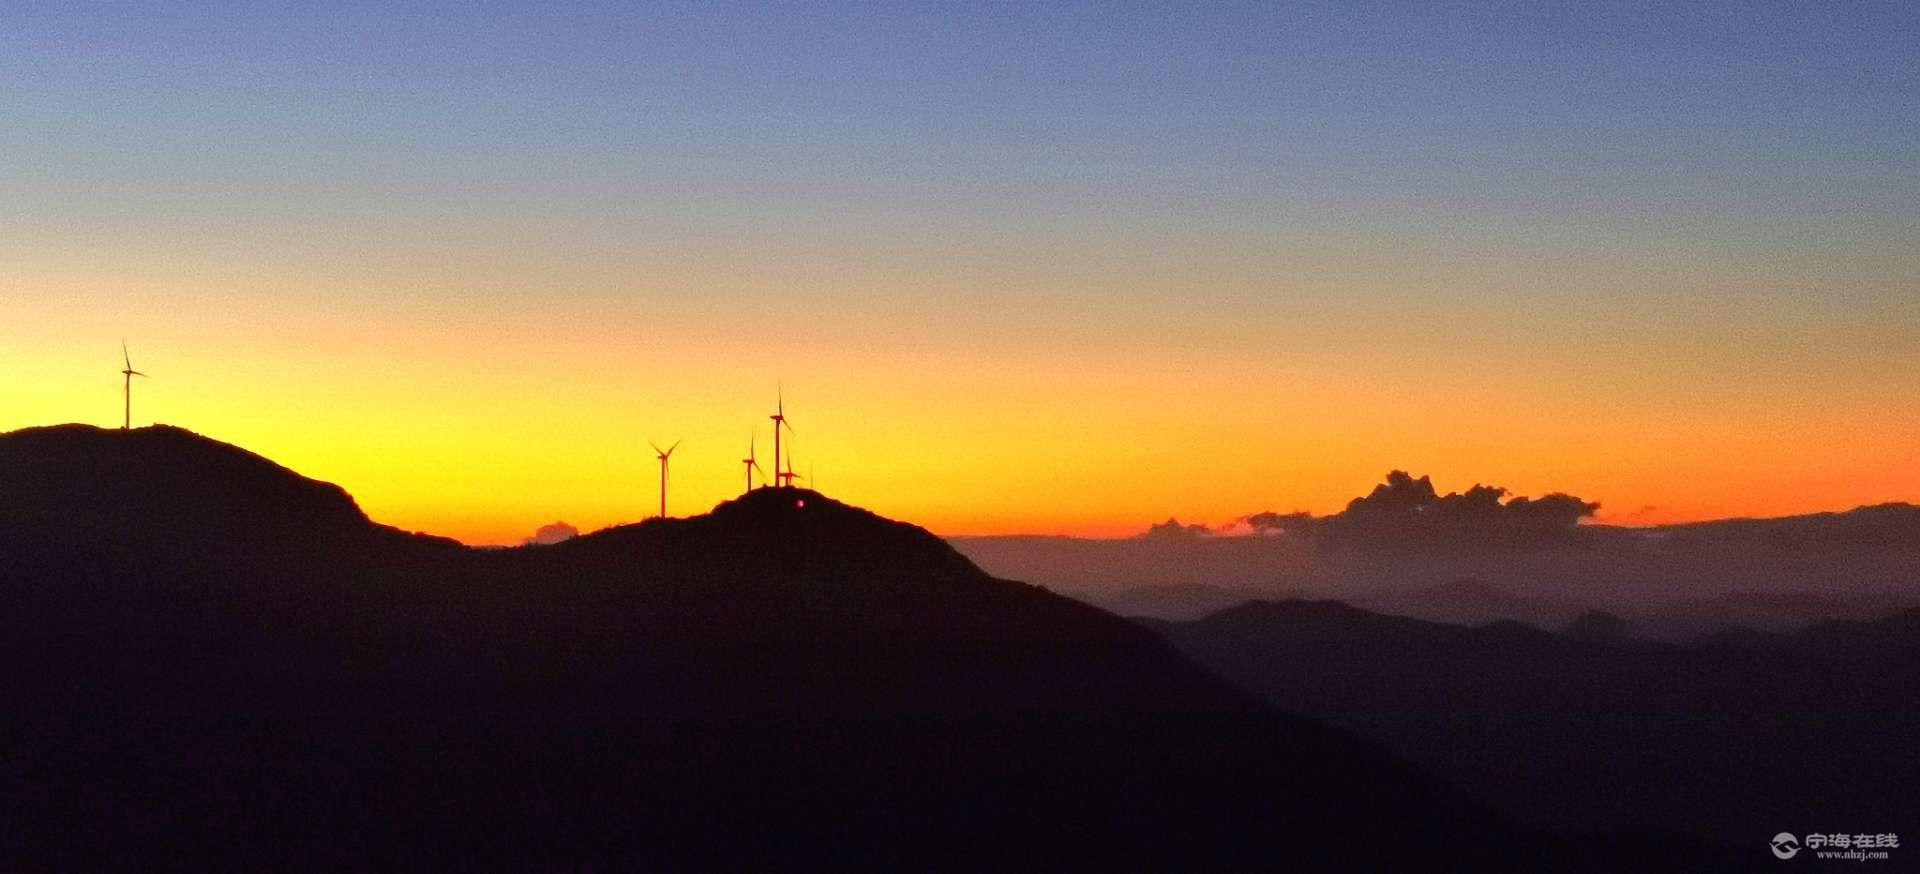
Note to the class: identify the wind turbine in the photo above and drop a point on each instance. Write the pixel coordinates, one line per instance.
(779, 418)
(129, 373)
(663, 472)
(787, 476)
(752, 464)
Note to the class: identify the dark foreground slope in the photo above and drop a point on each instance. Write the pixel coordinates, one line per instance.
(1733, 738)
(211, 661)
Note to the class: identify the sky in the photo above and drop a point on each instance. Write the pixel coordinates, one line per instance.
(1048, 268)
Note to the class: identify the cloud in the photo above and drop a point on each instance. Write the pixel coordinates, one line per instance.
(1405, 510)
(1172, 529)
(1270, 522)
(554, 533)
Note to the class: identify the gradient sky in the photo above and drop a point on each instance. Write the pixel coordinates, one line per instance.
(1046, 268)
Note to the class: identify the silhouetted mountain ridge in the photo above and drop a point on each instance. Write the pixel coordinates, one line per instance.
(165, 483)
(227, 662)
(797, 532)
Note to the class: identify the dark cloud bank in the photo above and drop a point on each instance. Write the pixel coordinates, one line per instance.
(1408, 512)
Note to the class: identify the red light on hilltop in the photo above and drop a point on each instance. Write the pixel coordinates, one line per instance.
(802, 502)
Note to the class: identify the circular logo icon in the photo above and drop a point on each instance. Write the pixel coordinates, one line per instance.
(1785, 845)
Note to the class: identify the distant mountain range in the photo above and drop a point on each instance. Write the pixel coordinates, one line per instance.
(1474, 602)
(214, 662)
(1673, 582)
(1598, 731)
(1471, 601)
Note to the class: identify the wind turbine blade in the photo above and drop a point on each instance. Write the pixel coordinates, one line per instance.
(137, 373)
(656, 447)
(124, 356)
(676, 445)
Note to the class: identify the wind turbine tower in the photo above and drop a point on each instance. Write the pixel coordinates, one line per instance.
(752, 464)
(779, 418)
(787, 476)
(126, 424)
(664, 455)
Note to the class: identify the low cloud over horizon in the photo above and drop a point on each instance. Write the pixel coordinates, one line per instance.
(550, 534)
(1406, 510)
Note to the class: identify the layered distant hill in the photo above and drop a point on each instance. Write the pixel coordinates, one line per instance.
(214, 662)
(1675, 582)
(1599, 731)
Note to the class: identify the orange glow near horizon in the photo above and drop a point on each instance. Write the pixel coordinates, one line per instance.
(1021, 269)
(482, 416)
